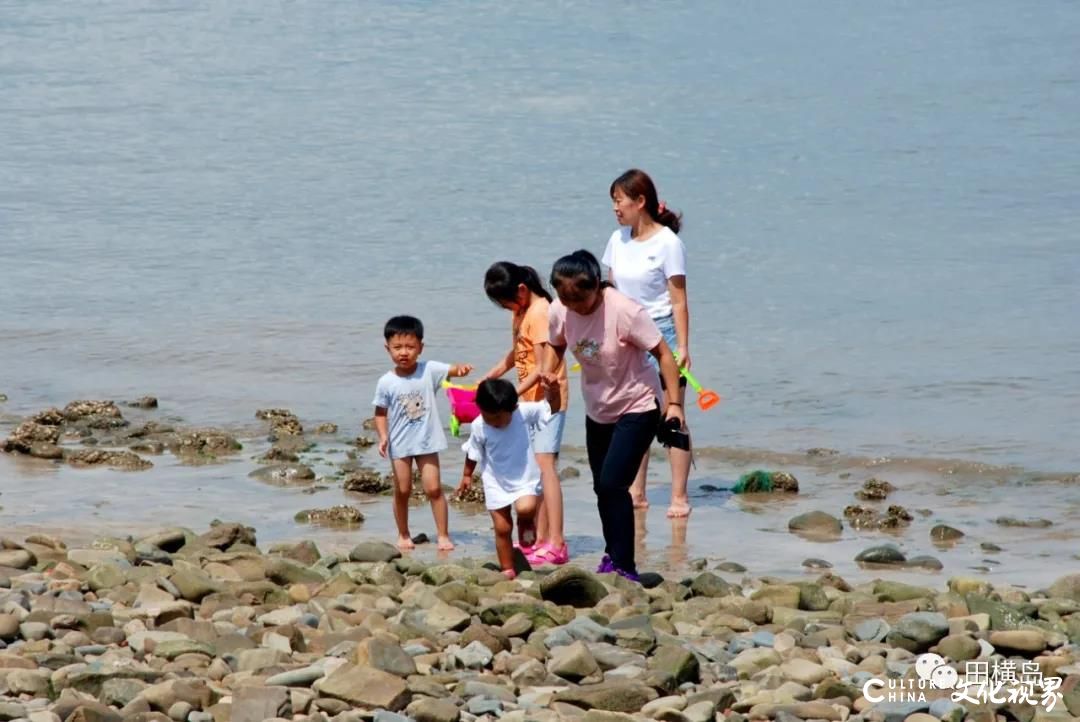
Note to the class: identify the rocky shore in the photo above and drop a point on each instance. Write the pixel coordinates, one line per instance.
(185, 626)
(181, 625)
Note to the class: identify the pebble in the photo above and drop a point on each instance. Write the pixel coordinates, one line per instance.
(487, 648)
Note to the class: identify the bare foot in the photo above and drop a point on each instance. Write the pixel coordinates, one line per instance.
(445, 544)
(679, 510)
(640, 502)
(404, 543)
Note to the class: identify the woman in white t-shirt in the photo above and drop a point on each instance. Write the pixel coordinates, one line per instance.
(647, 262)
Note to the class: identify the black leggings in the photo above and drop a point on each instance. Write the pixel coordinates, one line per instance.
(615, 453)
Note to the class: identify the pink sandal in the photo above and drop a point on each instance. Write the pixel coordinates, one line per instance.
(526, 550)
(547, 554)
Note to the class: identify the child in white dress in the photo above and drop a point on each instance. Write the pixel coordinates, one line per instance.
(500, 443)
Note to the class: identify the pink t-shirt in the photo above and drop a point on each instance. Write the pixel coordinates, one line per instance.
(610, 344)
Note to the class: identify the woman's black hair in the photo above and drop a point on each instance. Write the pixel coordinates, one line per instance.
(495, 395)
(503, 278)
(636, 183)
(581, 269)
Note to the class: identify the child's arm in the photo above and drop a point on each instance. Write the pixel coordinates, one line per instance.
(459, 370)
(534, 378)
(550, 362)
(499, 369)
(382, 427)
(466, 476)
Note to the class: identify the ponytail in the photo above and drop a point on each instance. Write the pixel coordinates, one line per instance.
(502, 280)
(667, 217)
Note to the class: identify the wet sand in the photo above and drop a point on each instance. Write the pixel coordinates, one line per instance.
(751, 530)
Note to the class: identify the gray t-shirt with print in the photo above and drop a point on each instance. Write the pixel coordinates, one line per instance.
(415, 427)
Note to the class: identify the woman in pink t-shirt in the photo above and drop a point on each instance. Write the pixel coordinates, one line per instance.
(607, 332)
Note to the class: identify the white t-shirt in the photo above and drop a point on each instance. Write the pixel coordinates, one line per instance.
(507, 463)
(641, 269)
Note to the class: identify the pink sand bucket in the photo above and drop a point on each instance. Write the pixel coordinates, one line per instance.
(463, 408)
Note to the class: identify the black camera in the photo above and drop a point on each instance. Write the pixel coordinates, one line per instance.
(671, 434)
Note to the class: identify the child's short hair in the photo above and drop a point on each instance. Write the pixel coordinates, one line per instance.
(495, 395)
(404, 326)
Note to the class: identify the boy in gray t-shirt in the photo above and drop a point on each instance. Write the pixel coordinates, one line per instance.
(408, 423)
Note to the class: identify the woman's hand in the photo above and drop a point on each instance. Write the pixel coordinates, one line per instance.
(682, 357)
(675, 411)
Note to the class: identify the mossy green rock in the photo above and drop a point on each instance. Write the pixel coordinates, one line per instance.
(969, 585)
(812, 598)
(541, 615)
(672, 666)
(105, 576)
(708, 584)
(285, 572)
(442, 574)
(779, 595)
(887, 591)
(573, 586)
(832, 688)
(1067, 587)
(1002, 616)
(457, 592)
(193, 584)
(958, 647)
(620, 696)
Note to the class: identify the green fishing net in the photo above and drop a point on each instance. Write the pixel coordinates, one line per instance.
(754, 481)
(758, 481)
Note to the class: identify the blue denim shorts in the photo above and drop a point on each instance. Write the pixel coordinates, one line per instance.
(667, 330)
(548, 438)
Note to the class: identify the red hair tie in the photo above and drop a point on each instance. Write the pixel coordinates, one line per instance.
(661, 208)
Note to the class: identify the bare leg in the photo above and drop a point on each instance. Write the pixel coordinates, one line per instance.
(541, 524)
(503, 522)
(432, 481)
(550, 526)
(680, 475)
(527, 508)
(402, 490)
(637, 489)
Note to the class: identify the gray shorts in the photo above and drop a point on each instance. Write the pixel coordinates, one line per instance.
(548, 438)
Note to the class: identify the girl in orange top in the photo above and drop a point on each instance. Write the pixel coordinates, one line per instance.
(518, 289)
